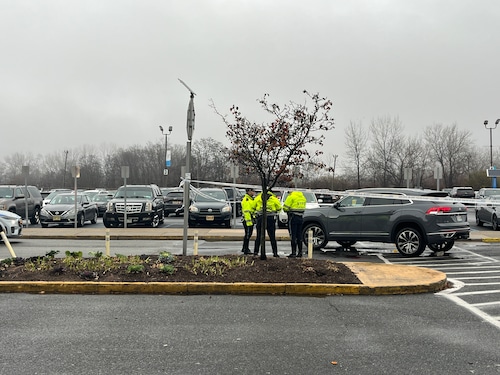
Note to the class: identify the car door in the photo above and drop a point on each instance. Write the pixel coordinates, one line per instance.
(344, 220)
(376, 218)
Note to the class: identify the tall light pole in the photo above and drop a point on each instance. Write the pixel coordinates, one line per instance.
(187, 177)
(167, 153)
(491, 127)
(65, 163)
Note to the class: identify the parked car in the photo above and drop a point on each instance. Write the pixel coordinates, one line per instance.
(101, 201)
(311, 202)
(52, 194)
(13, 198)
(174, 202)
(10, 223)
(93, 192)
(486, 192)
(210, 206)
(144, 206)
(463, 192)
(410, 218)
(326, 198)
(61, 210)
(235, 196)
(487, 212)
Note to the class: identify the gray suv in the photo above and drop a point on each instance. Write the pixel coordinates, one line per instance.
(410, 218)
(13, 198)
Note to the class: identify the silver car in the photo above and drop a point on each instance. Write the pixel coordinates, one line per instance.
(11, 223)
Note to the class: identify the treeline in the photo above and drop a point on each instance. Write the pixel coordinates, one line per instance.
(377, 155)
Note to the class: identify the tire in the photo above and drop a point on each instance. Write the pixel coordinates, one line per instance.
(227, 224)
(94, 219)
(107, 224)
(445, 246)
(162, 218)
(346, 243)
(80, 220)
(494, 222)
(191, 224)
(156, 221)
(35, 219)
(479, 223)
(409, 242)
(319, 236)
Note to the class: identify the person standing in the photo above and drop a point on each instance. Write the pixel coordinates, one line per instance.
(248, 211)
(273, 206)
(294, 206)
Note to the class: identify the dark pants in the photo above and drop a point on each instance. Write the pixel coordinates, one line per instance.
(271, 232)
(295, 229)
(246, 239)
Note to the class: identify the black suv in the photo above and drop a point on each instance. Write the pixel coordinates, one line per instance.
(409, 218)
(13, 199)
(144, 206)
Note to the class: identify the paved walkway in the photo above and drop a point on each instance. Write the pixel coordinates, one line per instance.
(376, 278)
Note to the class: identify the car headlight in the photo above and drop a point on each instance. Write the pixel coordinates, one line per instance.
(193, 209)
(148, 206)
(226, 209)
(3, 207)
(70, 212)
(110, 207)
(44, 212)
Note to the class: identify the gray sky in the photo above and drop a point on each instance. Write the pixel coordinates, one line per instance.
(81, 72)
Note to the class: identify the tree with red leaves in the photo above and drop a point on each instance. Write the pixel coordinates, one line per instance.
(272, 150)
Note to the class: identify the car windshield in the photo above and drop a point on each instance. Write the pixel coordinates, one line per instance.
(134, 192)
(65, 199)
(6, 192)
(210, 196)
(100, 198)
(53, 194)
(491, 192)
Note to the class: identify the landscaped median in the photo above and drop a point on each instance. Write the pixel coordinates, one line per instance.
(376, 279)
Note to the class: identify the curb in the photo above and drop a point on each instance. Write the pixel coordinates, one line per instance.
(376, 279)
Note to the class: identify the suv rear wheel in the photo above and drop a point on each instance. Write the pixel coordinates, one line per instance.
(445, 246)
(35, 219)
(409, 242)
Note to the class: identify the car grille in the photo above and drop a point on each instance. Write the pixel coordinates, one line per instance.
(132, 208)
(210, 211)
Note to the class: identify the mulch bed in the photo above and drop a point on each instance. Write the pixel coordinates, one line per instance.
(272, 270)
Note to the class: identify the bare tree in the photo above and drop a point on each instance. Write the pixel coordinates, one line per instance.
(273, 149)
(356, 140)
(386, 138)
(450, 147)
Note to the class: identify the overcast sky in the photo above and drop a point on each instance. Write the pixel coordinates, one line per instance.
(81, 72)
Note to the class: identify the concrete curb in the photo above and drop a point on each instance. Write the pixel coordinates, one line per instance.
(377, 279)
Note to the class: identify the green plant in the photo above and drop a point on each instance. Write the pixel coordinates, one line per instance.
(165, 257)
(95, 254)
(214, 265)
(167, 268)
(135, 268)
(74, 254)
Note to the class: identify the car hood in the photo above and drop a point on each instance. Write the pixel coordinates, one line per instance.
(213, 204)
(60, 207)
(9, 215)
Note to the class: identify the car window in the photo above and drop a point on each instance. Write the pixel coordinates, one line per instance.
(210, 195)
(175, 194)
(6, 192)
(352, 201)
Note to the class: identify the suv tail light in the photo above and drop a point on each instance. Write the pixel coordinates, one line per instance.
(438, 210)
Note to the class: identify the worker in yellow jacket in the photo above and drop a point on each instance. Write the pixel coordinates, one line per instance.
(273, 206)
(248, 213)
(294, 206)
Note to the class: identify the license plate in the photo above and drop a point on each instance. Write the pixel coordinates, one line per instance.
(56, 218)
(210, 218)
(176, 202)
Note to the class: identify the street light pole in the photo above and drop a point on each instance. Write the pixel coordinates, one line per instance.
(493, 179)
(167, 156)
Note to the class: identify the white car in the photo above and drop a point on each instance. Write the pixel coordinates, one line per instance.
(311, 202)
(11, 223)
